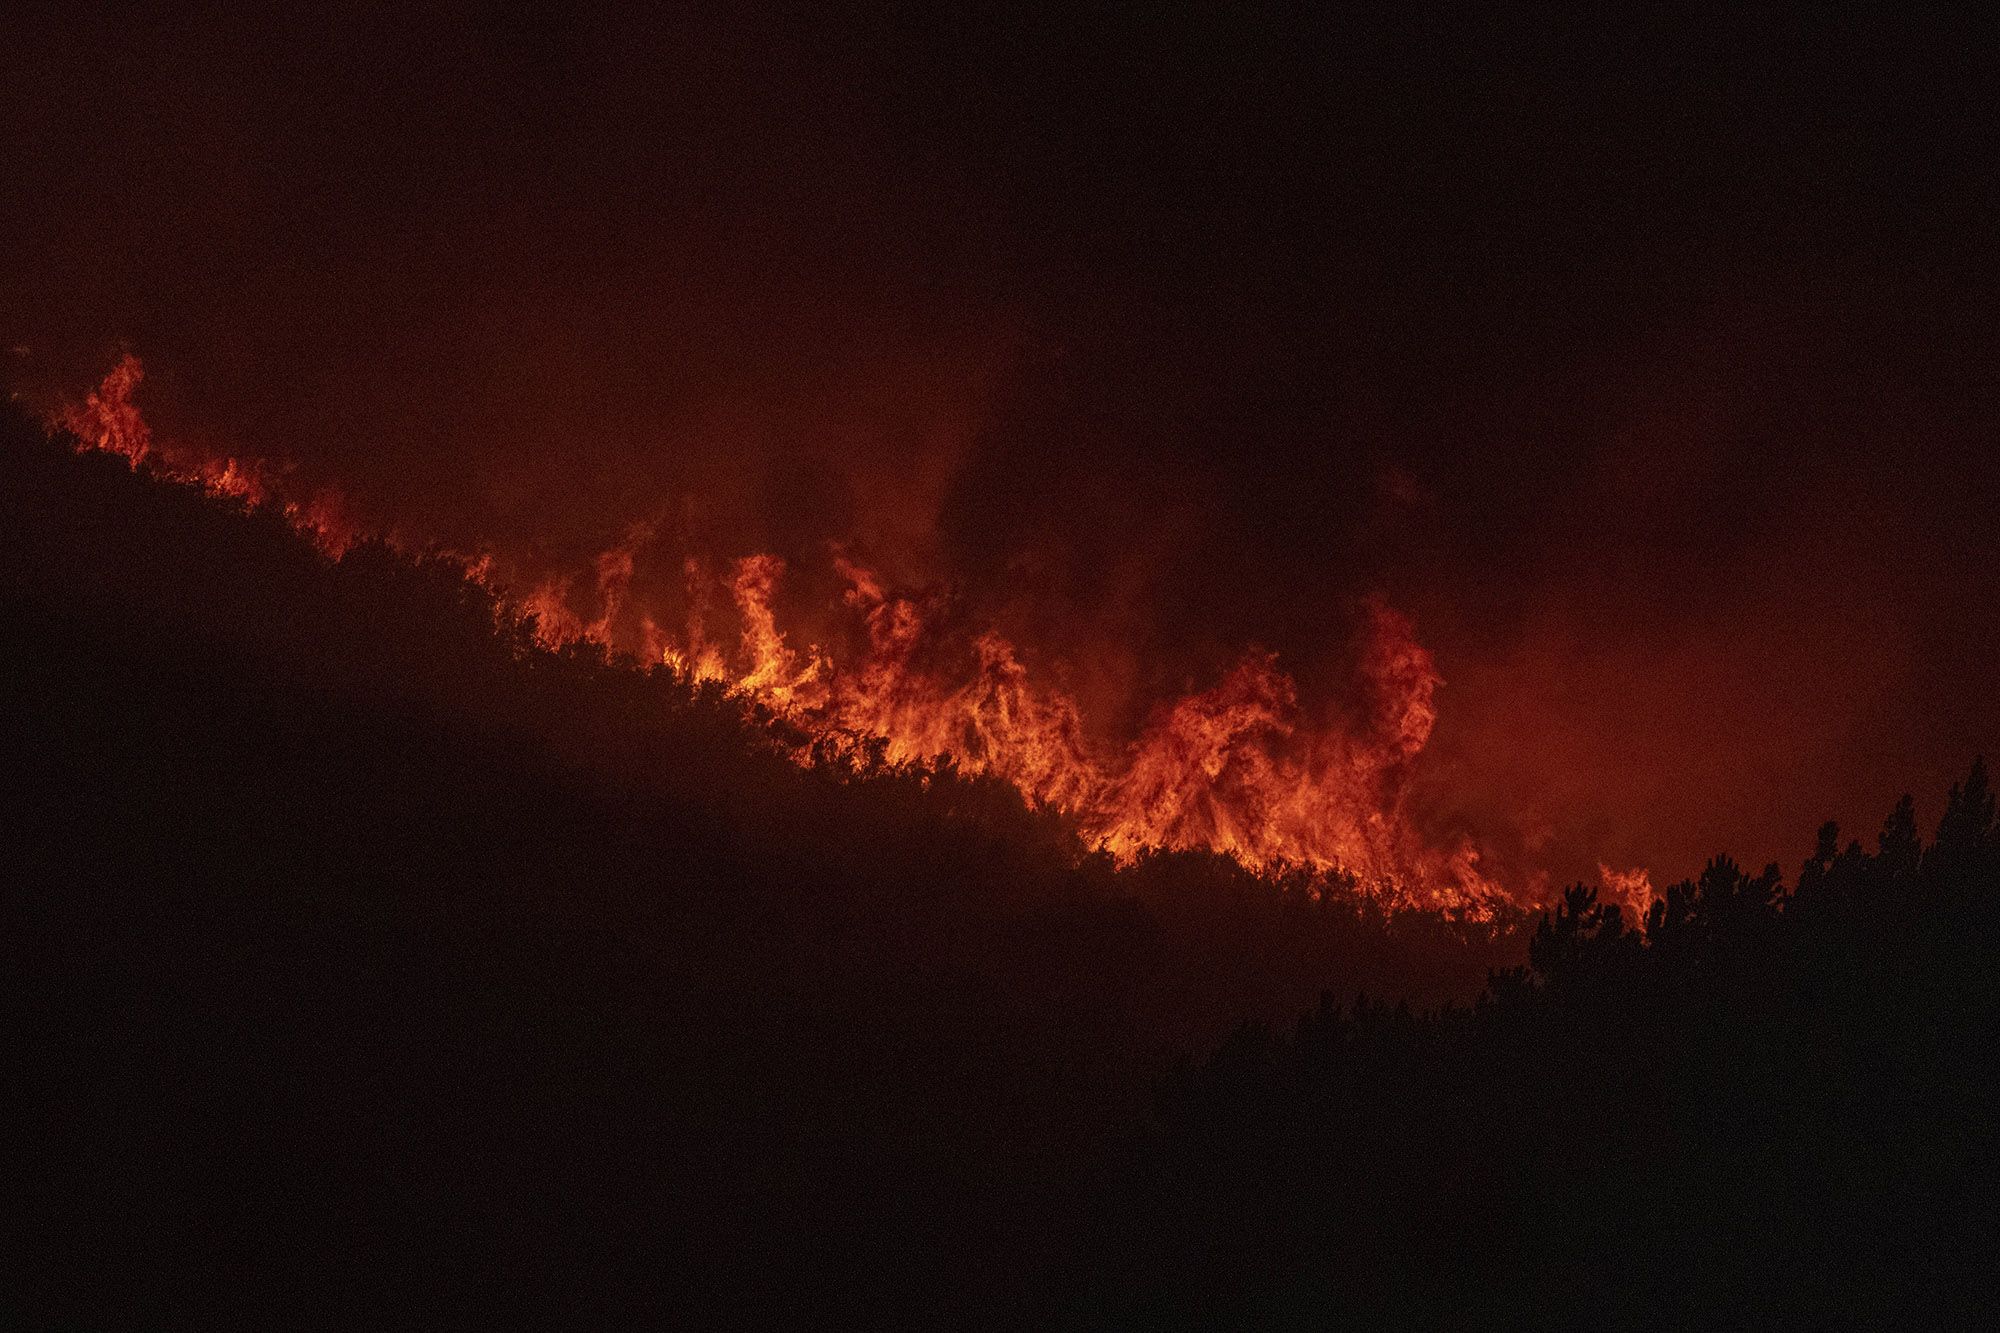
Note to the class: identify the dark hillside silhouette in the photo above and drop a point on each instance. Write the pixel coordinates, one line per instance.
(1764, 1102)
(360, 946)
(368, 964)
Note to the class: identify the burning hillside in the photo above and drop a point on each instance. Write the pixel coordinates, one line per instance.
(1238, 766)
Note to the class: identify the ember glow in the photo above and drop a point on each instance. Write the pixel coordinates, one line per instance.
(1237, 767)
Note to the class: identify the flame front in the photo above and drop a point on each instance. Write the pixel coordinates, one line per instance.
(1236, 768)
(109, 420)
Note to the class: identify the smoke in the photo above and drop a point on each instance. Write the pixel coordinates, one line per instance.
(1670, 438)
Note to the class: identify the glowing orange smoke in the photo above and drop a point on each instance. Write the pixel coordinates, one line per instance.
(1237, 768)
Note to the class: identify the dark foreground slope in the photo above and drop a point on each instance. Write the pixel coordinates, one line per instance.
(364, 959)
(1769, 1107)
(366, 965)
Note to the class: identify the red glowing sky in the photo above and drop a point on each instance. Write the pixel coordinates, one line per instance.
(1655, 381)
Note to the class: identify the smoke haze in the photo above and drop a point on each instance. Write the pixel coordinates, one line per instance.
(1671, 429)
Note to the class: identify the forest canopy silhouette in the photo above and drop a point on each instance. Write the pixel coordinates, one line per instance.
(366, 954)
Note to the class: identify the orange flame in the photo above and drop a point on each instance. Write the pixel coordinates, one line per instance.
(110, 421)
(1236, 768)
(1629, 889)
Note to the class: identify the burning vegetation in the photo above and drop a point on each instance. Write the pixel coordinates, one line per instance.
(1239, 767)
(351, 919)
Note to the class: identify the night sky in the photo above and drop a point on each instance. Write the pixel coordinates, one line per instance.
(1652, 370)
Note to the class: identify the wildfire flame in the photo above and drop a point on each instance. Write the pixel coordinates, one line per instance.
(1235, 768)
(109, 420)
(1631, 890)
